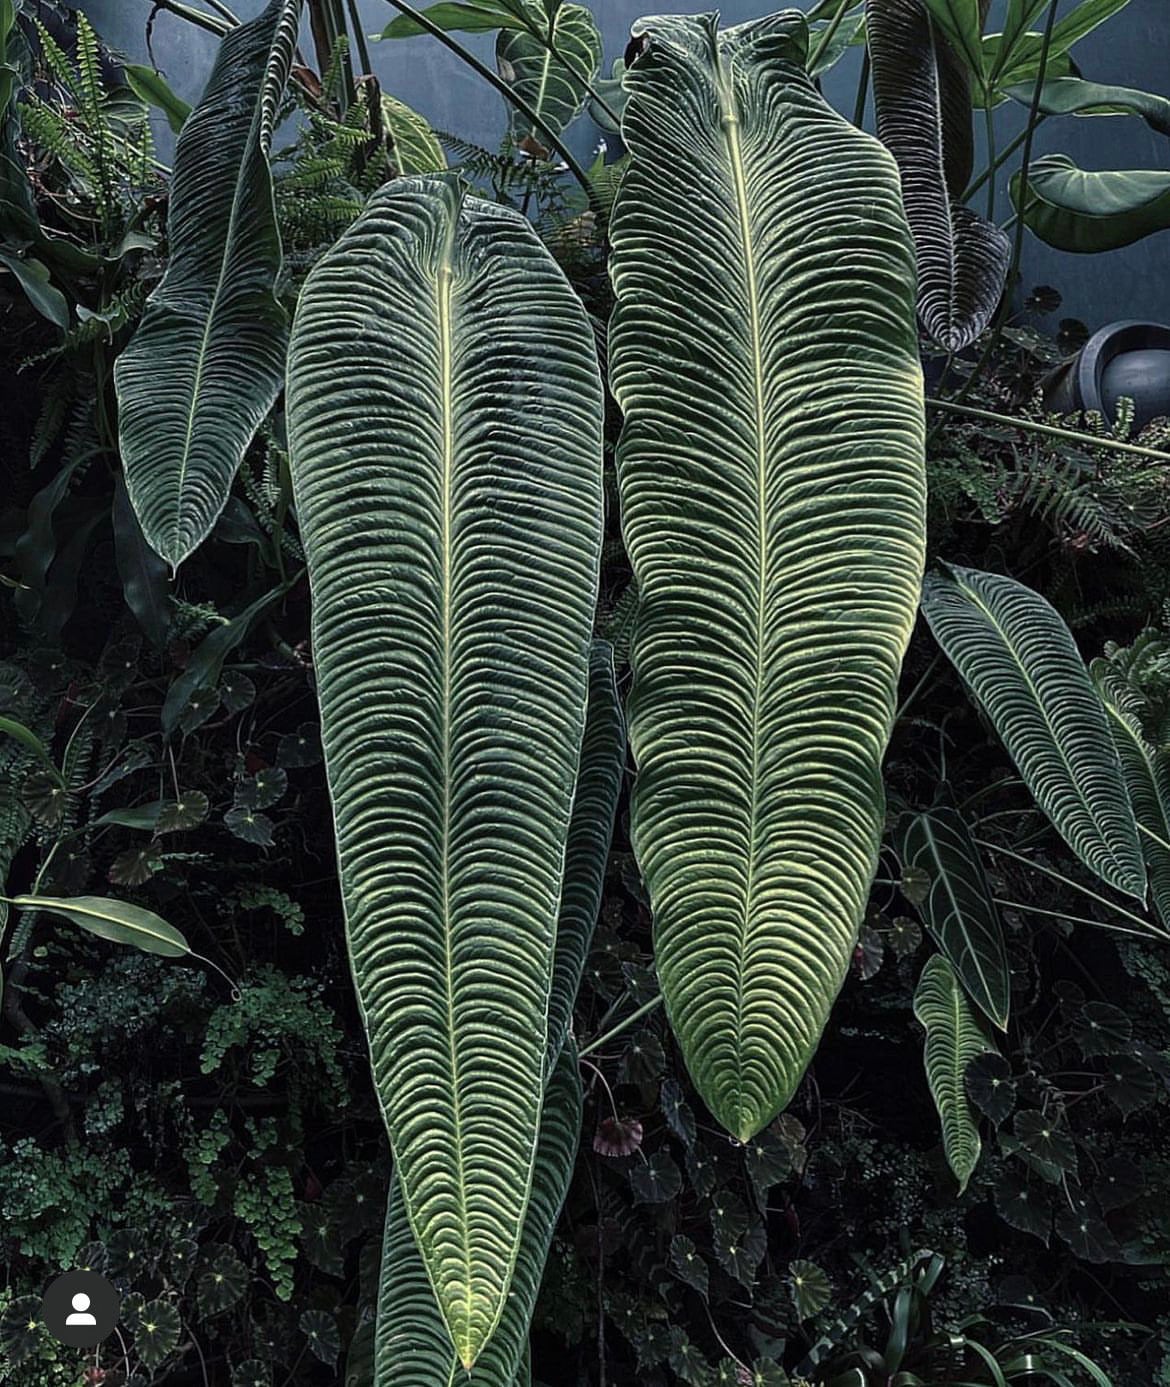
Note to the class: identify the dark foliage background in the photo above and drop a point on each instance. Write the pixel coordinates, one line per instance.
(204, 1132)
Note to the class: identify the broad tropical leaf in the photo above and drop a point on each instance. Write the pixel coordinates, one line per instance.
(1147, 777)
(118, 921)
(1021, 664)
(415, 146)
(412, 1346)
(205, 365)
(1064, 96)
(599, 783)
(551, 83)
(764, 352)
(961, 22)
(922, 97)
(464, 16)
(1083, 212)
(953, 1040)
(445, 431)
(959, 908)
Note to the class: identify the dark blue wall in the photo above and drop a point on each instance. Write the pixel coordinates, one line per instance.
(1133, 49)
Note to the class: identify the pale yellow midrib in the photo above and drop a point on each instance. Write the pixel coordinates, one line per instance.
(730, 122)
(443, 287)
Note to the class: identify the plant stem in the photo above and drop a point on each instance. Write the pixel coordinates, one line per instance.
(359, 37)
(598, 1041)
(222, 10)
(862, 92)
(921, 684)
(1146, 927)
(1000, 159)
(514, 98)
(215, 26)
(992, 161)
(1076, 919)
(1049, 430)
(826, 38)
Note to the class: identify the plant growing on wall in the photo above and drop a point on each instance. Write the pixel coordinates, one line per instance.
(426, 453)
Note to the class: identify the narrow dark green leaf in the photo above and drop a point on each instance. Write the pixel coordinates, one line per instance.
(959, 909)
(207, 360)
(153, 88)
(118, 921)
(1020, 662)
(145, 577)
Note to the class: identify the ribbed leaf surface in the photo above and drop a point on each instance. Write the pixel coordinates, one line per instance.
(205, 365)
(599, 784)
(764, 353)
(922, 99)
(1147, 778)
(549, 84)
(1021, 664)
(445, 431)
(959, 909)
(412, 1347)
(953, 1040)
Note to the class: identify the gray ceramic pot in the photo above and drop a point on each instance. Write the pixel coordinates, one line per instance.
(1124, 359)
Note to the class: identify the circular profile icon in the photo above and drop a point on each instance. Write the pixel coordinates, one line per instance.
(81, 1309)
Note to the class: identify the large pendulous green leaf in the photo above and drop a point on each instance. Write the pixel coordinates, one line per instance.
(953, 1040)
(206, 363)
(445, 431)
(413, 1344)
(1022, 665)
(1147, 777)
(922, 97)
(1084, 212)
(959, 908)
(599, 783)
(551, 76)
(412, 1347)
(763, 350)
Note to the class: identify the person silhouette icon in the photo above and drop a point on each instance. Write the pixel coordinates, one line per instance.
(80, 1309)
(81, 1313)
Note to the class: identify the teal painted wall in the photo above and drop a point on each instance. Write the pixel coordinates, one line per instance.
(1133, 49)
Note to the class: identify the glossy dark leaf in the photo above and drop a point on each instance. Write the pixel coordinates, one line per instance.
(156, 1328)
(320, 1328)
(990, 1087)
(262, 790)
(1129, 1085)
(677, 1112)
(959, 909)
(656, 1179)
(1084, 1228)
(188, 811)
(1026, 1207)
(221, 1279)
(250, 826)
(1102, 1029)
(1119, 1182)
(146, 583)
(904, 936)
(740, 1255)
(687, 1265)
(1047, 1139)
(811, 1291)
(300, 748)
(923, 104)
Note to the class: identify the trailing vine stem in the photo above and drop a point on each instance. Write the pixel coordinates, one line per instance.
(1117, 445)
(601, 1040)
